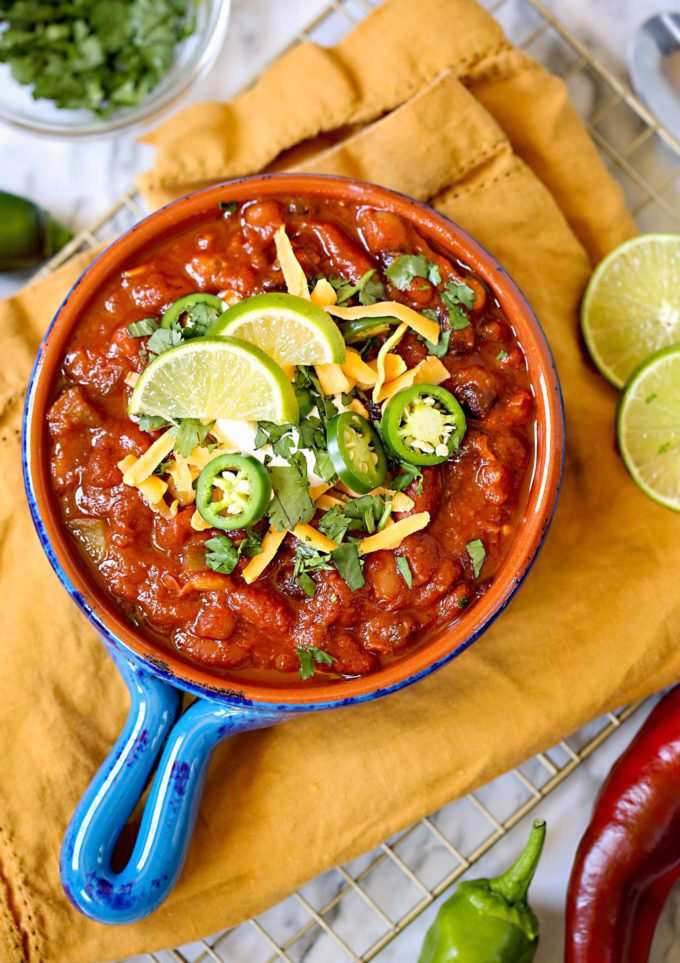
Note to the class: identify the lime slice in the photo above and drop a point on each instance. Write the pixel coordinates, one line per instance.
(289, 329)
(632, 304)
(649, 427)
(210, 378)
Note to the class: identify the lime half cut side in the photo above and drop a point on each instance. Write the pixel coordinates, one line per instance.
(649, 427)
(289, 329)
(631, 306)
(211, 378)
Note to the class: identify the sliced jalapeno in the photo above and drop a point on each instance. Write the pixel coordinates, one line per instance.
(361, 329)
(423, 424)
(189, 301)
(233, 491)
(356, 452)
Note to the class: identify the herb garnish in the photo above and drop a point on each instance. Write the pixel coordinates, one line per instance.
(439, 348)
(455, 296)
(308, 560)
(189, 433)
(93, 55)
(152, 422)
(408, 474)
(477, 553)
(369, 513)
(163, 339)
(291, 503)
(406, 267)
(502, 356)
(222, 555)
(349, 564)
(229, 207)
(143, 328)
(308, 655)
(404, 570)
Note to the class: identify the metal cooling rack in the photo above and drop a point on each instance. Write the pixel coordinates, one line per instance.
(354, 911)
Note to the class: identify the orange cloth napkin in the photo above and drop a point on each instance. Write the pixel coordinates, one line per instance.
(429, 99)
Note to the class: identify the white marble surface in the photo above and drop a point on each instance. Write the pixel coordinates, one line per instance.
(80, 180)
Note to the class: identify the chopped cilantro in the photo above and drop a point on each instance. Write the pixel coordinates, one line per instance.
(307, 561)
(477, 553)
(229, 207)
(163, 339)
(369, 289)
(291, 503)
(308, 655)
(222, 555)
(190, 433)
(408, 474)
(463, 602)
(143, 328)
(441, 347)
(367, 513)
(406, 267)
(199, 318)
(404, 570)
(334, 523)
(89, 54)
(502, 356)
(349, 564)
(152, 422)
(457, 295)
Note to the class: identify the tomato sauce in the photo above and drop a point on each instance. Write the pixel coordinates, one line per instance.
(155, 568)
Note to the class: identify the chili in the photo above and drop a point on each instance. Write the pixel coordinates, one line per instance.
(356, 452)
(233, 491)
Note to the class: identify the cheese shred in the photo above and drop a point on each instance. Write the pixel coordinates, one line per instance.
(423, 326)
(293, 275)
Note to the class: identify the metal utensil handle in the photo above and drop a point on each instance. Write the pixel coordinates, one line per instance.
(185, 743)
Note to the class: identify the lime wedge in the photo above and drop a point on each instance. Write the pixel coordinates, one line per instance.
(649, 427)
(287, 328)
(632, 304)
(210, 378)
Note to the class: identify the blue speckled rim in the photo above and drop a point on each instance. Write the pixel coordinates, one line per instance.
(225, 693)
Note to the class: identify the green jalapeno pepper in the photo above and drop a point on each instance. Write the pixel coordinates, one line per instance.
(423, 424)
(361, 329)
(356, 452)
(489, 920)
(189, 301)
(28, 234)
(233, 491)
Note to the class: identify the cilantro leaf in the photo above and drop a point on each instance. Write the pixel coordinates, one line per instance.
(152, 422)
(349, 564)
(441, 347)
(229, 207)
(163, 339)
(404, 570)
(143, 328)
(190, 433)
(408, 474)
(367, 513)
(405, 267)
(477, 553)
(369, 288)
(308, 655)
(291, 503)
(455, 296)
(334, 523)
(502, 355)
(222, 555)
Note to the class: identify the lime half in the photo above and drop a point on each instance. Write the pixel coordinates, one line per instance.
(289, 329)
(649, 427)
(211, 378)
(631, 307)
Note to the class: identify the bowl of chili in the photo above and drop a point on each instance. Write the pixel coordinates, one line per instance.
(440, 484)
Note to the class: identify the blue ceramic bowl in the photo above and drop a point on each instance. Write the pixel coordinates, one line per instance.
(158, 736)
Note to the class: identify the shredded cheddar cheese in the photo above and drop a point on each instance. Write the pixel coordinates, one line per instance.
(198, 523)
(333, 379)
(400, 501)
(293, 275)
(423, 326)
(144, 466)
(316, 491)
(131, 378)
(394, 366)
(270, 546)
(393, 535)
(355, 367)
(328, 501)
(391, 342)
(361, 409)
(430, 371)
(323, 294)
(315, 539)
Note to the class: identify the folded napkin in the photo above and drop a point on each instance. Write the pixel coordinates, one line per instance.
(429, 99)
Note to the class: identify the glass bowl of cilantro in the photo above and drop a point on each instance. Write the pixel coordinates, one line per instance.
(93, 66)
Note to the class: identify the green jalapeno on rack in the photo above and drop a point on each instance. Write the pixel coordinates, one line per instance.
(233, 491)
(28, 234)
(213, 304)
(423, 424)
(356, 452)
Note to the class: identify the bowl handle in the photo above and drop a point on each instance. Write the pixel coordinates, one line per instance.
(154, 726)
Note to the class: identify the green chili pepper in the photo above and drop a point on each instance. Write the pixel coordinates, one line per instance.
(233, 491)
(213, 304)
(423, 425)
(28, 234)
(361, 329)
(356, 452)
(489, 920)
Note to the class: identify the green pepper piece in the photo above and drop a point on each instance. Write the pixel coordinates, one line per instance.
(356, 452)
(189, 301)
(28, 234)
(489, 920)
(233, 491)
(423, 425)
(361, 329)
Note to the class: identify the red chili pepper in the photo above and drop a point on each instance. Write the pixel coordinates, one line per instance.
(629, 857)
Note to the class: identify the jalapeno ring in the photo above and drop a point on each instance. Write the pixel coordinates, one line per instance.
(356, 452)
(243, 489)
(423, 425)
(178, 308)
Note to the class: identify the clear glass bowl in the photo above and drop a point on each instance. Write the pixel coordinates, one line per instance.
(194, 56)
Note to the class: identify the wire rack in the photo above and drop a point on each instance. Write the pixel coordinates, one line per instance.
(353, 912)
